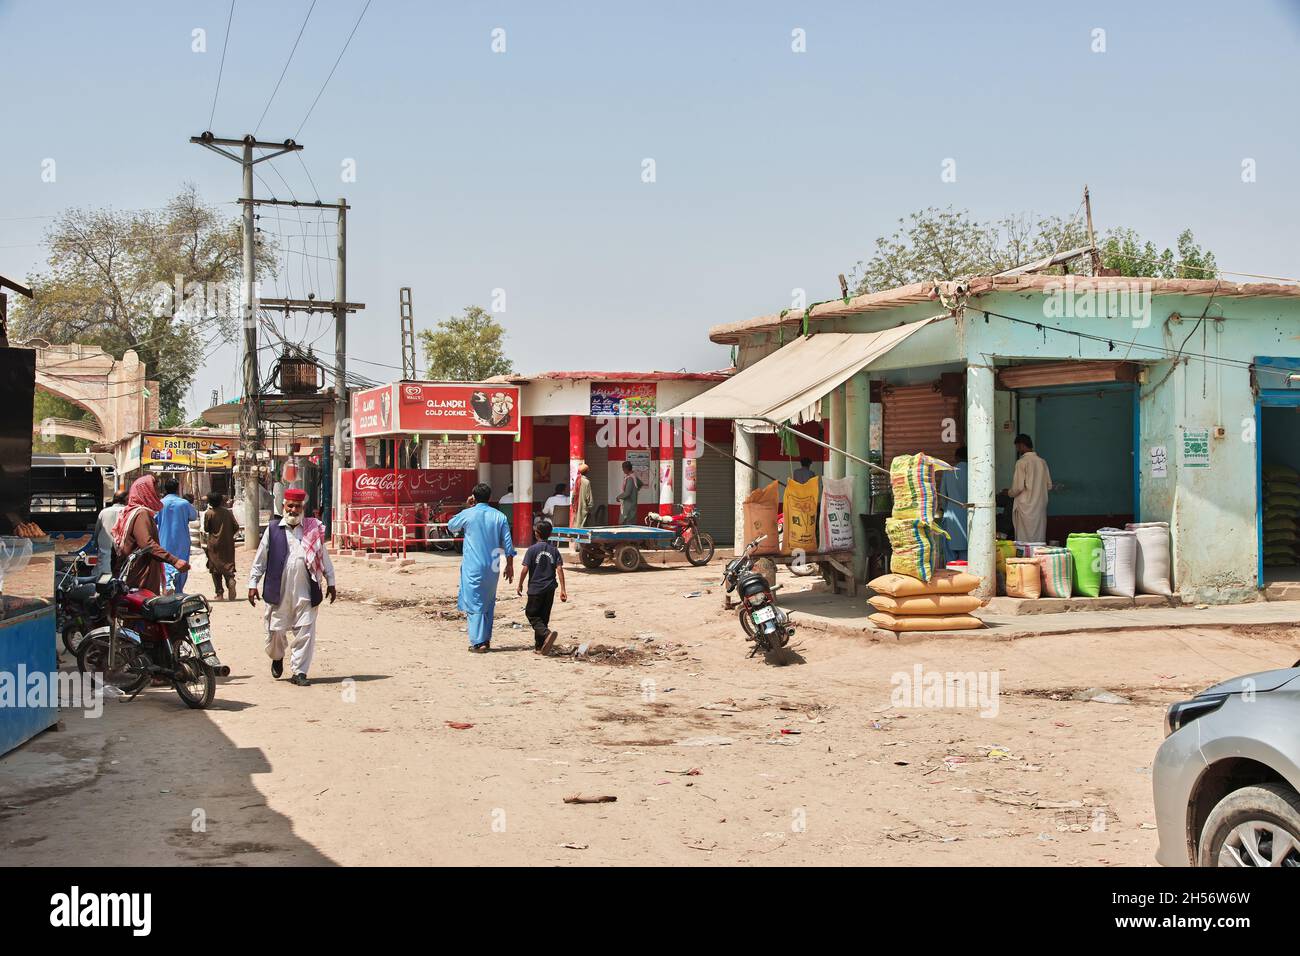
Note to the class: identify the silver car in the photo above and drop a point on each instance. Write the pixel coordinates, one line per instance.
(1227, 777)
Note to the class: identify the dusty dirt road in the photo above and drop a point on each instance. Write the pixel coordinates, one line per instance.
(362, 767)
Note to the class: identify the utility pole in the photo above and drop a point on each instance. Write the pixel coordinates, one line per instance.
(408, 333)
(342, 436)
(250, 436)
(1092, 240)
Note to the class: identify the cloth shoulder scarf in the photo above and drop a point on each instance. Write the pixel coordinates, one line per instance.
(144, 495)
(313, 547)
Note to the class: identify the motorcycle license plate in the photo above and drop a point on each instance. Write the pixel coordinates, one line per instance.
(764, 614)
(200, 635)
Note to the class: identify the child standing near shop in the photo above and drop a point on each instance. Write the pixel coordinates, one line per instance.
(542, 567)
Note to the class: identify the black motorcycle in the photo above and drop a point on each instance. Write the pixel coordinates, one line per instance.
(766, 624)
(78, 607)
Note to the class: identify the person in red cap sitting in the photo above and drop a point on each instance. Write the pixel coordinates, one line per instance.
(293, 560)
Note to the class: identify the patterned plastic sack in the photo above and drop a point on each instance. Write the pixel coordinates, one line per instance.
(1057, 568)
(800, 512)
(913, 544)
(911, 477)
(835, 531)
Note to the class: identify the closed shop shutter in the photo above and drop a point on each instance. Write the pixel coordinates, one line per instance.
(598, 471)
(917, 418)
(715, 495)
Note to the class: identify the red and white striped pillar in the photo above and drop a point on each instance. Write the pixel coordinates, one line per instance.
(665, 466)
(690, 460)
(523, 474)
(577, 452)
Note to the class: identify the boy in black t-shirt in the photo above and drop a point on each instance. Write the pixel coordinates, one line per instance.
(542, 566)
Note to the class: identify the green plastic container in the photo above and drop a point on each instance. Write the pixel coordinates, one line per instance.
(1089, 556)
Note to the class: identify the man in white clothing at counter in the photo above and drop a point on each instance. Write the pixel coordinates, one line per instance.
(1029, 487)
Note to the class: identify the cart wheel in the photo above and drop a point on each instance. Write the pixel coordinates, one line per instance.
(767, 568)
(628, 557)
(591, 557)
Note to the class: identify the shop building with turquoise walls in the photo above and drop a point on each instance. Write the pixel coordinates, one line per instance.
(1150, 399)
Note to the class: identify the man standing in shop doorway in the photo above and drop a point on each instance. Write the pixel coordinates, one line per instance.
(627, 497)
(1029, 487)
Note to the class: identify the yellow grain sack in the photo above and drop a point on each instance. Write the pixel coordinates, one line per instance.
(943, 582)
(800, 516)
(1024, 579)
(925, 622)
(926, 603)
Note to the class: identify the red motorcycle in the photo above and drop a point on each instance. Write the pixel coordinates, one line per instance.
(150, 636)
(697, 545)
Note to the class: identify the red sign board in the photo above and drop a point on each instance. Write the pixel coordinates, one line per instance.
(382, 486)
(457, 408)
(372, 412)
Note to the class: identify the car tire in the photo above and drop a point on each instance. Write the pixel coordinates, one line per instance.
(1246, 826)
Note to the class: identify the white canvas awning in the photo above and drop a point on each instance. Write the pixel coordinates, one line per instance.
(794, 377)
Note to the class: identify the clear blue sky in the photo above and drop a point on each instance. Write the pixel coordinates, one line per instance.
(775, 170)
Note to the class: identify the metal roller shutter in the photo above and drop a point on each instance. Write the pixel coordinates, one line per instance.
(915, 420)
(715, 495)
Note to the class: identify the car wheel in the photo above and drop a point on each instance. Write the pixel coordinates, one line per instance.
(1253, 826)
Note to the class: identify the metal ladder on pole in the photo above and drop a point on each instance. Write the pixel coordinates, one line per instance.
(408, 334)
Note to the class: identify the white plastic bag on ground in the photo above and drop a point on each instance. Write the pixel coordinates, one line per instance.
(1121, 562)
(1152, 557)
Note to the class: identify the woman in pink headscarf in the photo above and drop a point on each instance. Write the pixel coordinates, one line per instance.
(136, 529)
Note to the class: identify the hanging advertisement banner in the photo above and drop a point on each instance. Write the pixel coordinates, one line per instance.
(440, 408)
(620, 399)
(460, 408)
(183, 451)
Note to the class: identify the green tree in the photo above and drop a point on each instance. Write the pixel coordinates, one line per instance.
(111, 282)
(466, 348)
(46, 405)
(948, 244)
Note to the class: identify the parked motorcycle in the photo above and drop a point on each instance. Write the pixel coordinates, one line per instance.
(697, 545)
(766, 624)
(150, 636)
(78, 608)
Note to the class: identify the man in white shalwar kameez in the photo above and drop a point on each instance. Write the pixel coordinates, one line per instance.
(1029, 487)
(294, 561)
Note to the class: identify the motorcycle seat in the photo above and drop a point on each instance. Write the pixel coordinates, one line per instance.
(164, 608)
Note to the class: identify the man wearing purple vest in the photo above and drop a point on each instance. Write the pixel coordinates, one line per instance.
(293, 560)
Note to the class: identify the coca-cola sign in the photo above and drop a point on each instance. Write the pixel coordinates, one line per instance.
(381, 486)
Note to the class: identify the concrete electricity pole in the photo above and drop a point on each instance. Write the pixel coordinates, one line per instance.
(250, 436)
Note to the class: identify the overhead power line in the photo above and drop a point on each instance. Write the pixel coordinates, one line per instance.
(332, 69)
(286, 68)
(222, 68)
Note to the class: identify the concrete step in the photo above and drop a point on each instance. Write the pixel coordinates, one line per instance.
(1012, 607)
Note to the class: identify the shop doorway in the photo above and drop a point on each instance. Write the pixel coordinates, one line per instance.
(1278, 514)
(1085, 433)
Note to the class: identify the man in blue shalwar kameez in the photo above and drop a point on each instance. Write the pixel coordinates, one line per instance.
(487, 541)
(174, 532)
(953, 484)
